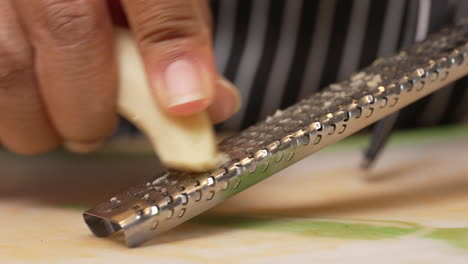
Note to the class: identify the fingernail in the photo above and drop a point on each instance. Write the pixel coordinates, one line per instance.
(183, 83)
(82, 147)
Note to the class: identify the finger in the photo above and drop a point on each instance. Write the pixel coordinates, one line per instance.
(175, 42)
(24, 126)
(205, 10)
(226, 101)
(75, 65)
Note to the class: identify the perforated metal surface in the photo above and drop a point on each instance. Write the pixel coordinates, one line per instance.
(285, 138)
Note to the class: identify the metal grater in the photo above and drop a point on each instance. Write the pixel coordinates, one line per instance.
(285, 138)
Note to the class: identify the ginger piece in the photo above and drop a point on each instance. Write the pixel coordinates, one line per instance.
(185, 143)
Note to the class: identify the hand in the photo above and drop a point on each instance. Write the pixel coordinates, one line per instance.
(58, 75)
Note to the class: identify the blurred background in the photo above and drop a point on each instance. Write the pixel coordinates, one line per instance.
(410, 206)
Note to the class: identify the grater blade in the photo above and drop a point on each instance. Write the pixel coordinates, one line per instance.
(285, 138)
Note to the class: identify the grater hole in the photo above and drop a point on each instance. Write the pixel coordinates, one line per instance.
(317, 139)
(419, 85)
(264, 166)
(197, 195)
(279, 156)
(182, 212)
(236, 184)
(170, 213)
(304, 139)
(210, 195)
(369, 112)
(225, 185)
(154, 225)
(346, 116)
(342, 130)
(358, 112)
(383, 102)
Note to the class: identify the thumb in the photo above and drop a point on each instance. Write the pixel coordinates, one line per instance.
(175, 42)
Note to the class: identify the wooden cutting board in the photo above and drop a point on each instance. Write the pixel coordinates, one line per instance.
(412, 208)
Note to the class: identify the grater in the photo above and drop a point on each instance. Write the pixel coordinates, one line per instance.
(339, 110)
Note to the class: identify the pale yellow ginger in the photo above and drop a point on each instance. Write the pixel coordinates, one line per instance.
(186, 143)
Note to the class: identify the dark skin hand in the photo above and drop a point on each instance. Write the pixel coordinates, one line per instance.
(58, 82)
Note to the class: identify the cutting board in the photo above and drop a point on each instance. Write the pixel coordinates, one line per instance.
(411, 208)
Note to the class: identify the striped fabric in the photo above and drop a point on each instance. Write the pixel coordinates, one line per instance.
(279, 51)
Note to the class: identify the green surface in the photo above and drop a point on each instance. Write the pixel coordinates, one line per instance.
(457, 237)
(352, 229)
(316, 228)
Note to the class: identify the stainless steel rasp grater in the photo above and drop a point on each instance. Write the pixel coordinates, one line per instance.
(283, 139)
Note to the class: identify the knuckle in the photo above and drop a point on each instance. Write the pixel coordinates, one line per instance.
(168, 22)
(94, 127)
(68, 22)
(26, 142)
(14, 64)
